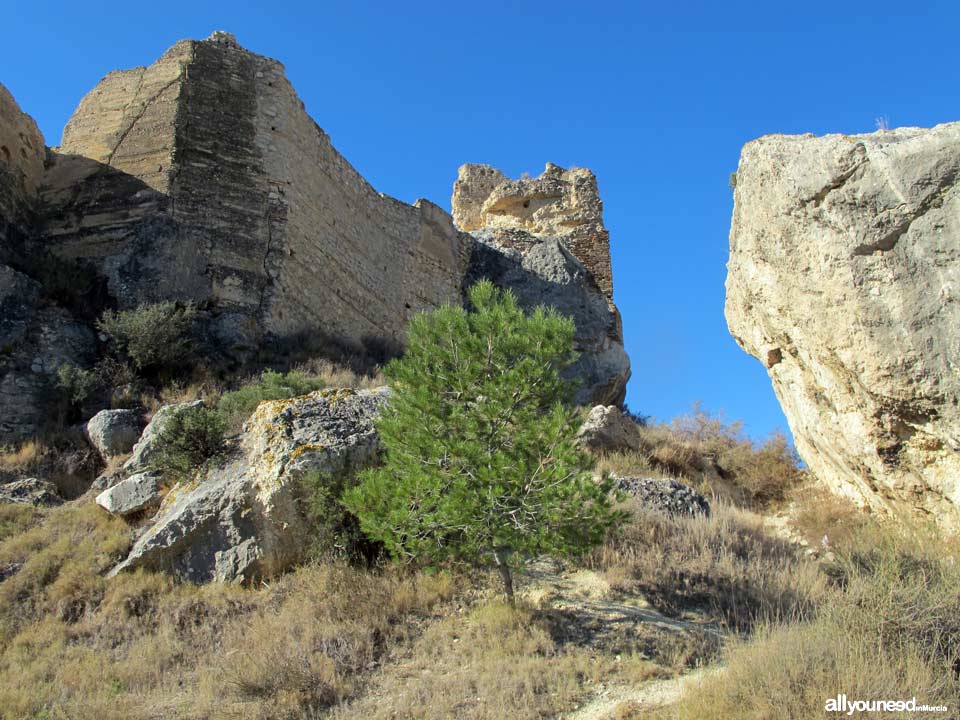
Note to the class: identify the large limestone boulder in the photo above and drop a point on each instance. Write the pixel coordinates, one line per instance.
(244, 519)
(543, 238)
(844, 280)
(113, 432)
(132, 495)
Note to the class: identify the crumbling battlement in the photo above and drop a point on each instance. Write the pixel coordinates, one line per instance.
(564, 204)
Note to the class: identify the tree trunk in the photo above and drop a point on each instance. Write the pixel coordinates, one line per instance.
(505, 575)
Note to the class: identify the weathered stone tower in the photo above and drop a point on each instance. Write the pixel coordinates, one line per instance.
(203, 177)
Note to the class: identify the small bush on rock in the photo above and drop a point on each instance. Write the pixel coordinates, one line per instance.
(154, 336)
(188, 440)
(235, 406)
(77, 383)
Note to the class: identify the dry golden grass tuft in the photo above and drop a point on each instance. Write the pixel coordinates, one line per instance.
(727, 566)
(889, 629)
(64, 458)
(334, 375)
(20, 458)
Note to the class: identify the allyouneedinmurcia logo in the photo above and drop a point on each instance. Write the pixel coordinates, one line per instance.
(844, 705)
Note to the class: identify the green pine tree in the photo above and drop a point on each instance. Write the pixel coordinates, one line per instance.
(481, 465)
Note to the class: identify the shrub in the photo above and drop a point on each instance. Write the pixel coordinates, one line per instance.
(481, 462)
(337, 532)
(188, 440)
(77, 383)
(154, 336)
(236, 406)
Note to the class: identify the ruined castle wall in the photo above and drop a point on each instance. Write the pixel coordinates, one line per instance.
(21, 167)
(203, 177)
(343, 257)
(564, 204)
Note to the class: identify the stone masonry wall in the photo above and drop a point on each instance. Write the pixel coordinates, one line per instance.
(203, 177)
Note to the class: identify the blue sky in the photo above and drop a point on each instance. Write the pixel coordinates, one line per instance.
(656, 100)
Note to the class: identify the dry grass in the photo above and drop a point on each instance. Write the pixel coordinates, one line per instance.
(64, 458)
(889, 630)
(16, 519)
(74, 644)
(20, 458)
(334, 375)
(491, 663)
(726, 566)
(824, 519)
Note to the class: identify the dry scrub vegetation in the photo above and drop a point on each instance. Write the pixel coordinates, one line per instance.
(716, 457)
(889, 628)
(880, 618)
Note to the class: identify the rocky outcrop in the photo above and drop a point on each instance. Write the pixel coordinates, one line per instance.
(30, 491)
(132, 495)
(544, 240)
(606, 429)
(562, 204)
(35, 340)
(665, 496)
(22, 153)
(844, 280)
(245, 518)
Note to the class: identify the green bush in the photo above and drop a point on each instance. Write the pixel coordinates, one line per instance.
(188, 440)
(155, 336)
(77, 383)
(337, 532)
(235, 406)
(481, 464)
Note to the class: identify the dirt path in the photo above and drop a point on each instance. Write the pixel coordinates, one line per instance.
(646, 696)
(587, 594)
(607, 616)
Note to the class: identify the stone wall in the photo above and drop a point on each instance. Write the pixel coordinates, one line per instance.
(22, 153)
(203, 177)
(844, 279)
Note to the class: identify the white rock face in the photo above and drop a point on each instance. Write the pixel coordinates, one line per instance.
(136, 493)
(245, 519)
(844, 280)
(606, 429)
(113, 432)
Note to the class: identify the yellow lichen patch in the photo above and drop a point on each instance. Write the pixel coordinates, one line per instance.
(335, 395)
(179, 489)
(301, 449)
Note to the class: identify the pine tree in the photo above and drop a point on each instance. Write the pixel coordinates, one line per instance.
(481, 465)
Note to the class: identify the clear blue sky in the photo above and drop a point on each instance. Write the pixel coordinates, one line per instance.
(656, 98)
